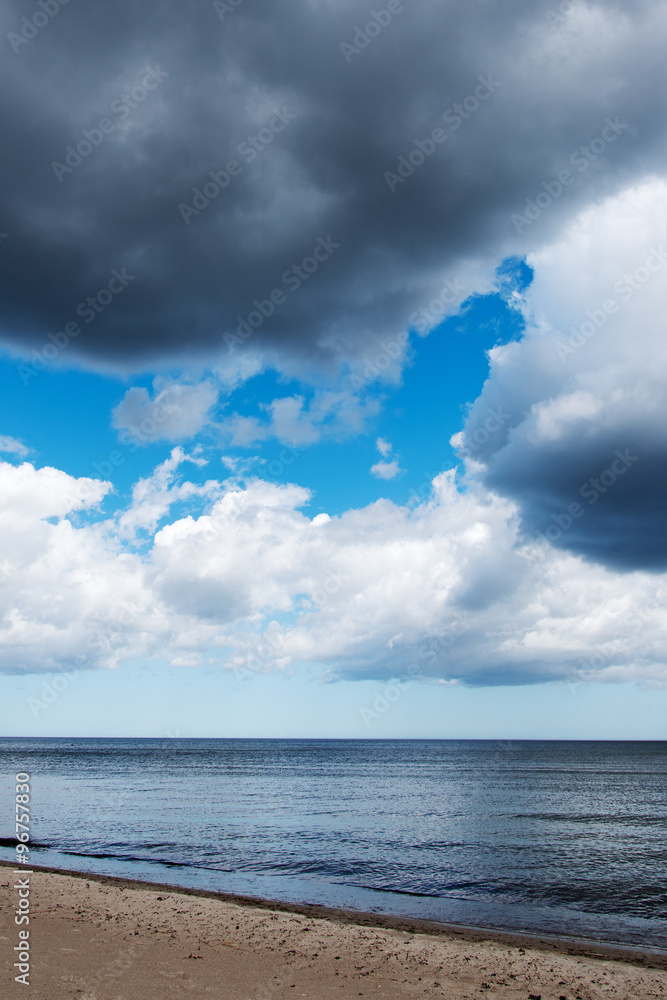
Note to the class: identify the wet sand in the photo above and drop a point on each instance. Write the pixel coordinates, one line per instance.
(97, 938)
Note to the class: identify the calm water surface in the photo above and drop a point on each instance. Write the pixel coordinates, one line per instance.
(556, 837)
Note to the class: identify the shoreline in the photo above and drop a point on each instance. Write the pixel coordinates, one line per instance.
(98, 937)
(648, 957)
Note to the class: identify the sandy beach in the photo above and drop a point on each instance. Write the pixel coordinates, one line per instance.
(96, 938)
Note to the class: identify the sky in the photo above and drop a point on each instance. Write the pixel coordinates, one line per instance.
(332, 368)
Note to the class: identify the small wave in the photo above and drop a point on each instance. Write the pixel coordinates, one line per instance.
(123, 856)
(397, 892)
(119, 856)
(32, 845)
(584, 818)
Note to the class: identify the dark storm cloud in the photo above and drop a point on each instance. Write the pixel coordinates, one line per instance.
(596, 499)
(572, 421)
(182, 85)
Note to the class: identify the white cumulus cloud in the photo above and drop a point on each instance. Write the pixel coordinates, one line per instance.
(177, 411)
(386, 470)
(10, 446)
(248, 579)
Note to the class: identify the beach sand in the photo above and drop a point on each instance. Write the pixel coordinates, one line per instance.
(95, 938)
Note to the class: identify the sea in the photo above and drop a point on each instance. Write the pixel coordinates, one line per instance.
(546, 837)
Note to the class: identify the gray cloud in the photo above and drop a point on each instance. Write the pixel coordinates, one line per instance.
(572, 422)
(347, 120)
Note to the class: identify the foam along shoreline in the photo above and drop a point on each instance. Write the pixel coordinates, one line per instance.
(107, 937)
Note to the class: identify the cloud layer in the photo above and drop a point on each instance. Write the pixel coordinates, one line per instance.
(249, 581)
(115, 117)
(572, 422)
(203, 197)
